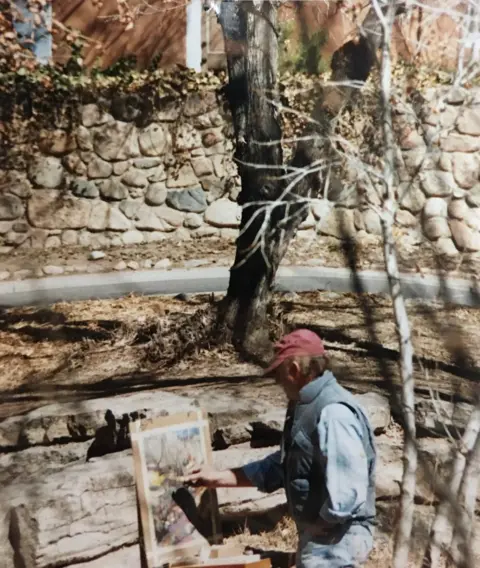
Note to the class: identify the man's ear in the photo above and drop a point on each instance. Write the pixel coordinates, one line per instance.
(294, 369)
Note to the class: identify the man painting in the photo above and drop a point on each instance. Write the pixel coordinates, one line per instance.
(326, 462)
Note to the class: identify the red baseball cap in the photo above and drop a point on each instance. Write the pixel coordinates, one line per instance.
(301, 342)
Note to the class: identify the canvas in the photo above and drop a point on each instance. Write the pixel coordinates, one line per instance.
(164, 450)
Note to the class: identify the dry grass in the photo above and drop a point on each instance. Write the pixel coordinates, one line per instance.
(51, 351)
(283, 538)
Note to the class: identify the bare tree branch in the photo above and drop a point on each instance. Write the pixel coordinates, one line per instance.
(441, 529)
(405, 523)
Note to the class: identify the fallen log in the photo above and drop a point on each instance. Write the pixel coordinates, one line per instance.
(73, 515)
(7, 554)
(82, 420)
(107, 419)
(233, 419)
(40, 460)
(126, 557)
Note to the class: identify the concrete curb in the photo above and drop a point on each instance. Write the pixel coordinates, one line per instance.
(44, 291)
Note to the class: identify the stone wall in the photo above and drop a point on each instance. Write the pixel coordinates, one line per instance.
(107, 182)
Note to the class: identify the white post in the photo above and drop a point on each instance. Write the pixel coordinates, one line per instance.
(194, 35)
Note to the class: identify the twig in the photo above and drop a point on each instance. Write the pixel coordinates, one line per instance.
(404, 528)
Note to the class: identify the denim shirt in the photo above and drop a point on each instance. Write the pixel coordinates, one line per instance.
(346, 466)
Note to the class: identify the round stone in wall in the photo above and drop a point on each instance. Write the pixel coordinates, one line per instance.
(435, 207)
(191, 200)
(372, 222)
(466, 169)
(457, 209)
(146, 163)
(84, 139)
(469, 122)
(50, 209)
(69, 238)
(473, 196)
(113, 190)
(214, 187)
(193, 221)
(74, 164)
(445, 247)
(146, 220)
(5, 226)
(93, 116)
(405, 219)
(437, 183)
(11, 207)
(135, 178)
(212, 138)
(436, 227)
(186, 138)
(15, 183)
(465, 238)
(202, 166)
(200, 103)
(170, 216)
(156, 194)
(223, 213)
(84, 188)
(56, 142)
(157, 174)
(98, 168)
(460, 143)
(154, 140)
(183, 177)
(472, 218)
(132, 238)
(411, 197)
(116, 141)
(46, 171)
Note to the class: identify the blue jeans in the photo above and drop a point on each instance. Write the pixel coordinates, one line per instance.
(349, 550)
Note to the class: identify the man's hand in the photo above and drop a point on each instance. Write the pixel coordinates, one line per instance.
(207, 476)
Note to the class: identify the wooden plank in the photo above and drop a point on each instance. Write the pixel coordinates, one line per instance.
(253, 561)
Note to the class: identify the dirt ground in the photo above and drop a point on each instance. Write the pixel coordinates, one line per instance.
(307, 249)
(97, 348)
(73, 351)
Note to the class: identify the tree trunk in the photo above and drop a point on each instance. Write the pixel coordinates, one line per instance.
(252, 47)
(274, 205)
(462, 546)
(410, 458)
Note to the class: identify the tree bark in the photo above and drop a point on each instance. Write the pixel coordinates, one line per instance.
(410, 458)
(252, 48)
(273, 207)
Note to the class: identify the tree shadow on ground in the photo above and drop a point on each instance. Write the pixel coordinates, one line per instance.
(41, 394)
(48, 325)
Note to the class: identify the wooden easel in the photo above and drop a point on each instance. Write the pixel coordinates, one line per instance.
(228, 556)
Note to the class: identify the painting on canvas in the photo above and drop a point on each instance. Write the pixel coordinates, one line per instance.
(164, 451)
